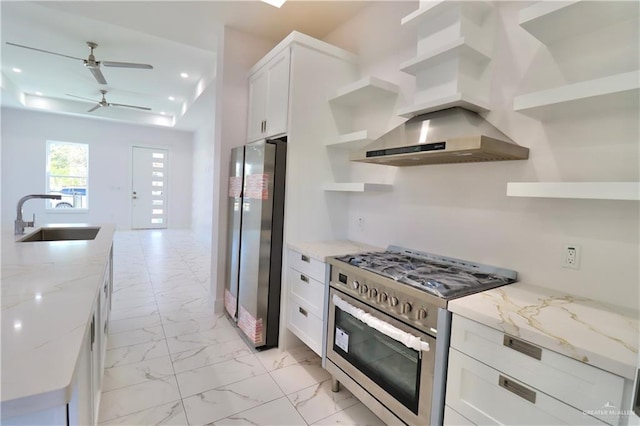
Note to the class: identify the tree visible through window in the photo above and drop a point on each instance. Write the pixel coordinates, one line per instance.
(68, 174)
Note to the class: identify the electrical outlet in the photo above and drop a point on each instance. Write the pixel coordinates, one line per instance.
(361, 223)
(571, 256)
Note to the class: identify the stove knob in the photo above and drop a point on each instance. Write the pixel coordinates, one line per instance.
(364, 289)
(393, 301)
(422, 314)
(373, 293)
(356, 284)
(383, 297)
(406, 308)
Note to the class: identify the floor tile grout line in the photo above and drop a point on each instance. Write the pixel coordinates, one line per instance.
(136, 412)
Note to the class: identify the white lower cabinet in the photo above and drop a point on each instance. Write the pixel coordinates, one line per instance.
(495, 378)
(306, 283)
(453, 418)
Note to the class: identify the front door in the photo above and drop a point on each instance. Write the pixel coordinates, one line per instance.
(149, 188)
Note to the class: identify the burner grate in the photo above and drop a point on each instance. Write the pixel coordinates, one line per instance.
(439, 278)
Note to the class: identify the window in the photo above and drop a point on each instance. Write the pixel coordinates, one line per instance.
(68, 174)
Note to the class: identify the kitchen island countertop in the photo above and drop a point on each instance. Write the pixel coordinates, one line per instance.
(48, 293)
(592, 332)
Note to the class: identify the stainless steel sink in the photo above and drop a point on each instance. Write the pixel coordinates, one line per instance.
(61, 234)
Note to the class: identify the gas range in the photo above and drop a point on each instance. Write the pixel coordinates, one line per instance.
(444, 277)
(410, 284)
(389, 328)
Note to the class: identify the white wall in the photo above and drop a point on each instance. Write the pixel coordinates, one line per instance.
(237, 53)
(24, 138)
(202, 198)
(461, 210)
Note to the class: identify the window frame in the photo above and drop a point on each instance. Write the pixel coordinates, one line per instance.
(49, 205)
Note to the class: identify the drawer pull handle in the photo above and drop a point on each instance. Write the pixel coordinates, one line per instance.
(302, 311)
(303, 278)
(517, 389)
(522, 347)
(305, 258)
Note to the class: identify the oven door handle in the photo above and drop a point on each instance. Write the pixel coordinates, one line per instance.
(408, 339)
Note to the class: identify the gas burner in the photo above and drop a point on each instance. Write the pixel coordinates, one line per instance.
(443, 277)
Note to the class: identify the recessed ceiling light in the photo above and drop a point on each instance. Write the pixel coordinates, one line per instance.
(162, 113)
(39, 93)
(184, 75)
(18, 70)
(276, 3)
(171, 98)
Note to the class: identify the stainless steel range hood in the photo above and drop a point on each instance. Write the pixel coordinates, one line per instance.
(453, 135)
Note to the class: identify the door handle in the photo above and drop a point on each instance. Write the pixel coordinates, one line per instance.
(517, 389)
(302, 311)
(523, 347)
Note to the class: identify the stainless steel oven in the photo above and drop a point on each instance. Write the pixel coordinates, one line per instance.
(389, 328)
(371, 348)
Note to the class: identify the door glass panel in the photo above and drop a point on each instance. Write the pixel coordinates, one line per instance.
(389, 363)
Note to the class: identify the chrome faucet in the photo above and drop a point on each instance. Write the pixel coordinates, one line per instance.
(21, 224)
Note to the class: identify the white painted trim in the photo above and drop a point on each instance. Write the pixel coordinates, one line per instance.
(307, 41)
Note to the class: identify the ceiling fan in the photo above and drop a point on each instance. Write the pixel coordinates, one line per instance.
(90, 62)
(103, 103)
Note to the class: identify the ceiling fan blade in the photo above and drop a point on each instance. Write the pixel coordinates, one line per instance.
(94, 108)
(97, 74)
(126, 65)
(131, 106)
(43, 51)
(81, 97)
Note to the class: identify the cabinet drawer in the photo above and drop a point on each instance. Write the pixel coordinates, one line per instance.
(486, 396)
(578, 384)
(453, 418)
(307, 265)
(309, 291)
(306, 326)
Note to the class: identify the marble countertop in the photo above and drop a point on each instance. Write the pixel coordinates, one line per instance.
(594, 333)
(48, 291)
(320, 250)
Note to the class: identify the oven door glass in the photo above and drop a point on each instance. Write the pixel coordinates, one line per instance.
(389, 363)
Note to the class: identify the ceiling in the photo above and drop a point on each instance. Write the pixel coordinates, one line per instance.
(174, 36)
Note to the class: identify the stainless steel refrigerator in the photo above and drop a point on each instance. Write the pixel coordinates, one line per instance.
(254, 243)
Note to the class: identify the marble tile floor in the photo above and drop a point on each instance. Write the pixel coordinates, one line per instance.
(171, 361)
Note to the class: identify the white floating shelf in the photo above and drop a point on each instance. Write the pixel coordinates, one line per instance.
(480, 10)
(551, 21)
(456, 48)
(616, 91)
(579, 190)
(357, 187)
(363, 91)
(351, 141)
(457, 100)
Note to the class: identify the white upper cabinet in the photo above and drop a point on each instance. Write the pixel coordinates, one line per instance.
(269, 98)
